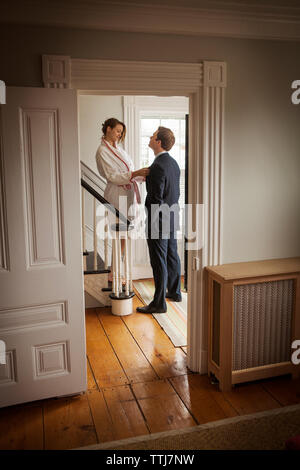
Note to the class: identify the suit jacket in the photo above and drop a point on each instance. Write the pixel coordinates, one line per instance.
(163, 190)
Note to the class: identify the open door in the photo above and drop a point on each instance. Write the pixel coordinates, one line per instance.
(42, 321)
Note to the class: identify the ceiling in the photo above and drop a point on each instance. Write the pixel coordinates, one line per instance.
(265, 19)
(215, 4)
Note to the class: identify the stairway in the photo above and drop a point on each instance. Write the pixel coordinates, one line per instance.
(101, 246)
(95, 277)
(94, 281)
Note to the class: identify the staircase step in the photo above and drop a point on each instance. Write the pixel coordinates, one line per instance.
(93, 285)
(89, 264)
(99, 271)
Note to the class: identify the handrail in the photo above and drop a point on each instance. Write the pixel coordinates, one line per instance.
(101, 199)
(87, 171)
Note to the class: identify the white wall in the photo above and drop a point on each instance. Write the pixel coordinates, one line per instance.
(93, 111)
(262, 157)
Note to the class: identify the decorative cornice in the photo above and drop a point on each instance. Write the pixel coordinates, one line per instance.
(215, 74)
(139, 77)
(56, 71)
(217, 18)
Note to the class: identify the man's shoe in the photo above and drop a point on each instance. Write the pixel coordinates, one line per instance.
(150, 309)
(174, 298)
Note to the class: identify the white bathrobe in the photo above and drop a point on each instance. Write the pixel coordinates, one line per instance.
(116, 166)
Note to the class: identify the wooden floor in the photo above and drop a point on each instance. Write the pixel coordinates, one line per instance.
(138, 383)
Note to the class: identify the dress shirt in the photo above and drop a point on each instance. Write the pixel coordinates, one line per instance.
(160, 153)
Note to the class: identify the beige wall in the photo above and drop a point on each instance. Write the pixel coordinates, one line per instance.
(93, 111)
(262, 154)
(262, 144)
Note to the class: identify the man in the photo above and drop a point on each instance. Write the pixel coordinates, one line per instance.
(162, 186)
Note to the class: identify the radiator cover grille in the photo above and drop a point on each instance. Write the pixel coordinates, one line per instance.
(262, 323)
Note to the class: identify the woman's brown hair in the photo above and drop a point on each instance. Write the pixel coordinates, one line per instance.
(113, 122)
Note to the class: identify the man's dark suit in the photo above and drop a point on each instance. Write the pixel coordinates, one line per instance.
(163, 191)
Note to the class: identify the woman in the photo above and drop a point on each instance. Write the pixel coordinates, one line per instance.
(116, 166)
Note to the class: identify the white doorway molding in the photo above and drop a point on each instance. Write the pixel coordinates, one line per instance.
(204, 83)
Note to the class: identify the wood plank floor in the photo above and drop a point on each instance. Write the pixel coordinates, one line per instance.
(138, 383)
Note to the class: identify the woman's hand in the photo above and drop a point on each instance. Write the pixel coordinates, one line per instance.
(142, 172)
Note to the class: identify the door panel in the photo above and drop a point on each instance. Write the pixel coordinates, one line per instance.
(42, 298)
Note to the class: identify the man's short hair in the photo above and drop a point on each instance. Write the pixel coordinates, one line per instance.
(166, 137)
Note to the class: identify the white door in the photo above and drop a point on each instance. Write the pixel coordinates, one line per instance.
(42, 320)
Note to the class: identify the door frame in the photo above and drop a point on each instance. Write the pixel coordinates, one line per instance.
(205, 84)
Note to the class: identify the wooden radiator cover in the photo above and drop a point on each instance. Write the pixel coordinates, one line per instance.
(253, 317)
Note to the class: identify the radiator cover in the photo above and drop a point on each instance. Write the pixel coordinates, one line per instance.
(262, 323)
